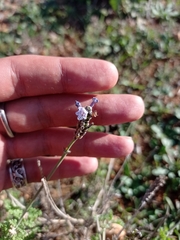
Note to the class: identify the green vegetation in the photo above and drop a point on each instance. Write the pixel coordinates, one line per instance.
(142, 38)
(28, 227)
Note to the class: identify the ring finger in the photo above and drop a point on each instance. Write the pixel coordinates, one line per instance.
(70, 167)
(53, 141)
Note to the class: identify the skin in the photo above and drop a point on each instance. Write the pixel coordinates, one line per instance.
(39, 94)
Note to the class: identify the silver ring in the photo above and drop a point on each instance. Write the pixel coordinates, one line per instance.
(17, 172)
(5, 121)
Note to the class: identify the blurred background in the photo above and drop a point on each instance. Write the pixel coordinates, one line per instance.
(142, 38)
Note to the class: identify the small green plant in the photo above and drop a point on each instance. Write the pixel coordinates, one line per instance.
(164, 12)
(28, 228)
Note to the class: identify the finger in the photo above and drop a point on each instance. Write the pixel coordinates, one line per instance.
(30, 75)
(31, 114)
(3, 159)
(52, 142)
(70, 167)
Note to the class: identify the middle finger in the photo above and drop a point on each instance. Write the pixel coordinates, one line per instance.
(36, 113)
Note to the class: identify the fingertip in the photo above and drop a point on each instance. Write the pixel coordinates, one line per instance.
(132, 108)
(122, 147)
(90, 74)
(140, 107)
(89, 165)
(77, 166)
(110, 74)
(129, 147)
(114, 72)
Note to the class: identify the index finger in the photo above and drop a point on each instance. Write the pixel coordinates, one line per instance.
(31, 75)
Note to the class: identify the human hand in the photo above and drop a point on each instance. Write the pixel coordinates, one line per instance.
(39, 95)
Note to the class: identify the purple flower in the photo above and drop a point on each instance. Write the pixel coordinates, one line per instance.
(94, 100)
(78, 104)
(81, 113)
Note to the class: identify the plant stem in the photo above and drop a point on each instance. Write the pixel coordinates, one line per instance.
(65, 153)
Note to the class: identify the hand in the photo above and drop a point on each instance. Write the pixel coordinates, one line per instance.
(39, 95)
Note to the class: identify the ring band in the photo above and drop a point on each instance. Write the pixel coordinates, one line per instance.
(17, 172)
(5, 121)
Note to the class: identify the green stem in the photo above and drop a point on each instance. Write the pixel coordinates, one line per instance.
(65, 153)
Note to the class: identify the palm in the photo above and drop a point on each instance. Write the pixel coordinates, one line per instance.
(39, 95)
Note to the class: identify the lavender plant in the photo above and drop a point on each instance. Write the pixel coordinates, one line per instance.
(84, 116)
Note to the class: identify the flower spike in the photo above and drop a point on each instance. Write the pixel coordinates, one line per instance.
(84, 115)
